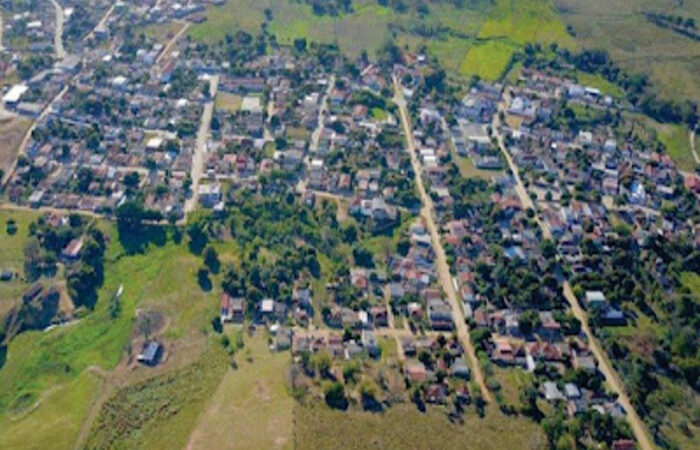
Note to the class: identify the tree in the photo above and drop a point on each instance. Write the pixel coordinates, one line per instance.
(335, 395)
(211, 259)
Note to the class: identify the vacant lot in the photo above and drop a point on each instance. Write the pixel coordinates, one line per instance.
(251, 408)
(403, 426)
(12, 131)
(226, 102)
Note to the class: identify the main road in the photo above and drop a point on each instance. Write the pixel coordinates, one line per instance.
(604, 365)
(443, 269)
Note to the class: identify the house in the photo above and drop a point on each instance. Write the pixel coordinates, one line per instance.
(551, 391)
(460, 369)
(72, 251)
(415, 372)
(283, 339)
(613, 317)
(210, 195)
(595, 300)
(435, 393)
(370, 344)
(439, 314)
(151, 353)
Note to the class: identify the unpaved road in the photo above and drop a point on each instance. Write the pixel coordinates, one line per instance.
(443, 268)
(611, 377)
(201, 147)
(58, 31)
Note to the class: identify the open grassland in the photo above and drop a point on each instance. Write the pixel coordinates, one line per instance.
(524, 22)
(598, 82)
(488, 60)
(41, 363)
(12, 256)
(403, 426)
(675, 139)
(366, 28)
(54, 419)
(251, 408)
(159, 412)
(619, 26)
(12, 131)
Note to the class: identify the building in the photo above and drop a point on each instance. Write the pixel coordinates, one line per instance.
(151, 353)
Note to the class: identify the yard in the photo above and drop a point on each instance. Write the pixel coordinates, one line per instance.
(488, 60)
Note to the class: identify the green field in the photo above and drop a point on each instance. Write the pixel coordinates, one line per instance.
(403, 426)
(526, 21)
(159, 412)
(41, 364)
(12, 256)
(671, 60)
(252, 407)
(52, 420)
(488, 60)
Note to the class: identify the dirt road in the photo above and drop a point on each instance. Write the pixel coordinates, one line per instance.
(443, 268)
(58, 31)
(604, 364)
(201, 146)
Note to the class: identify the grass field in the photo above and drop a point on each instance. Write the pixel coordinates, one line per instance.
(162, 411)
(526, 21)
(251, 408)
(54, 420)
(230, 103)
(598, 82)
(671, 60)
(12, 131)
(489, 60)
(162, 279)
(403, 426)
(12, 256)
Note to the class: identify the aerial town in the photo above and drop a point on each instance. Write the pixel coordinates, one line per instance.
(401, 237)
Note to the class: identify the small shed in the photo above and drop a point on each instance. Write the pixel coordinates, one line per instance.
(151, 354)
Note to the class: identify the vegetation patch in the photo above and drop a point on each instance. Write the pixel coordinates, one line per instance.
(160, 412)
(488, 60)
(403, 426)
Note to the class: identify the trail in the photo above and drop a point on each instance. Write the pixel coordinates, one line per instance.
(201, 145)
(58, 31)
(604, 364)
(443, 268)
(168, 47)
(692, 147)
